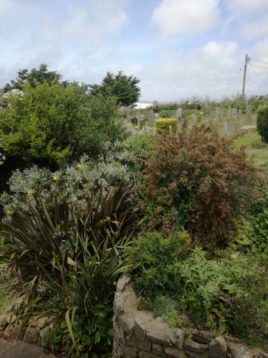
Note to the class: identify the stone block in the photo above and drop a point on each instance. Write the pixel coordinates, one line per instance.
(148, 355)
(122, 283)
(218, 348)
(118, 304)
(126, 321)
(195, 347)
(203, 337)
(160, 337)
(144, 345)
(129, 352)
(238, 350)
(174, 353)
(258, 353)
(139, 331)
(197, 355)
(179, 336)
(157, 348)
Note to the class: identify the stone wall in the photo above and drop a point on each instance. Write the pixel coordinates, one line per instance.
(138, 334)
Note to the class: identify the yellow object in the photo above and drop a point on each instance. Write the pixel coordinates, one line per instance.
(29, 192)
(166, 125)
(55, 177)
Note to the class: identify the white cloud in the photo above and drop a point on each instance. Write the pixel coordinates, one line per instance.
(212, 70)
(80, 44)
(247, 5)
(255, 27)
(134, 69)
(7, 8)
(182, 16)
(96, 19)
(260, 51)
(93, 20)
(4, 6)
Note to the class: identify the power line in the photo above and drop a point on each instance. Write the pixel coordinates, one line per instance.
(248, 61)
(263, 68)
(257, 73)
(253, 59)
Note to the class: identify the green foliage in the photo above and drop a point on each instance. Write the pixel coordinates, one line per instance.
(154, 260)
(262, 124)
(2, 157)
(255, 228)
(76, 180)
(199, 182)
(219, 294)
(164, 125)
(164, 307)
(124, 88)
(64, 258)
(99, 125)
(56, 123)
(260, 226)
(33, 77)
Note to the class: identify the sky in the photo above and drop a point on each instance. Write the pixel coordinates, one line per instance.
(177, 48)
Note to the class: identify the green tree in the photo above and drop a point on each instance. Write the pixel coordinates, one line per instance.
(56, 123)
(124, 88)
(34, 77)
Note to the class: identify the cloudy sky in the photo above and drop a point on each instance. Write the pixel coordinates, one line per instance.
(178, 48)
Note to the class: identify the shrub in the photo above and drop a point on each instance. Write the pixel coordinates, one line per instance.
(154, 262)
(111, 169)
(262, 124)
(199, 182)
(166, 125)
(55, 123)
(254, 228)
(64, 258)
(219, 294)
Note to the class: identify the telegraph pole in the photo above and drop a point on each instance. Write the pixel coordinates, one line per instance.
(245, 76)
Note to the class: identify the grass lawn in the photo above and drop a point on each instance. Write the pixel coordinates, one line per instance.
(256, 149)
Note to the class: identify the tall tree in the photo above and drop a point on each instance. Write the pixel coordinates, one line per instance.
(34, 77)
(124, 88)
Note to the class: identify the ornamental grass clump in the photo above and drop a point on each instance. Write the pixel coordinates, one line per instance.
(64, 259)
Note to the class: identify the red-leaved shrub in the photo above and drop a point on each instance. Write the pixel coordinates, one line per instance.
(197, 181)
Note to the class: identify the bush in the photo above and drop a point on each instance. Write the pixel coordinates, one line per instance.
(154, 262)
(218, 294)
(111, 169)
(199, 182)
(166, 125)
(253, 233)
(55, 123)
(64, 258)
(262, 124)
